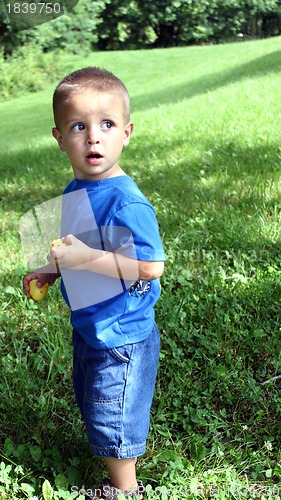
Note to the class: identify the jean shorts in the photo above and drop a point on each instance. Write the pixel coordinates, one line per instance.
(114, 391)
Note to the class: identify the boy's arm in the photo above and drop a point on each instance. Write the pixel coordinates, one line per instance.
(78, 256)
(47, 274)
(120, 266)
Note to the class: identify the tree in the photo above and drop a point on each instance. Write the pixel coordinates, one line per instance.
(131, 24)
(124, 24)
(164, 23)
(76, 29)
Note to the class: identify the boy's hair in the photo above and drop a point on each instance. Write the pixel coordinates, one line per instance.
(90, 78)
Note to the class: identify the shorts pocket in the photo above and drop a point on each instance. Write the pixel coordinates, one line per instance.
(121, 354)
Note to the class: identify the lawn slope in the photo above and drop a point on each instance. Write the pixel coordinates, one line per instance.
(206, 152)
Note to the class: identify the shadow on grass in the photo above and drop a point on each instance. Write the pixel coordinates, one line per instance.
(261, 66)
(218, 210)
(219, 201)
(223, 194)
(31, 177)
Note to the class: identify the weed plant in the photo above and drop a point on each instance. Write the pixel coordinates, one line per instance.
(206, 151)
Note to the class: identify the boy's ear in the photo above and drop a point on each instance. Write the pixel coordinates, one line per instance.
(128, 132)
(57, 135)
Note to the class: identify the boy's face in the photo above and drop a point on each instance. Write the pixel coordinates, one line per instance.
(93, 131)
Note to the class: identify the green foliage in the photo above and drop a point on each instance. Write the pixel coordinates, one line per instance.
(115, 24)
(27, 71)
(179, 22)
(123, 24)
(206, 151)
(76, 32)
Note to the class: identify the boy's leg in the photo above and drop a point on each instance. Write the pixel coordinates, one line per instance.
(122, 472)
(114, 389)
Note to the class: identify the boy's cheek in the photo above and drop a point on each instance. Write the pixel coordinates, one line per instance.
(61, 144)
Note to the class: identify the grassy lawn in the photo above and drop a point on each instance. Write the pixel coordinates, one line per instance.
(207, 152)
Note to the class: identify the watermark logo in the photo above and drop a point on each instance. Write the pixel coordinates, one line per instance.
(27, 14)
(199, 491)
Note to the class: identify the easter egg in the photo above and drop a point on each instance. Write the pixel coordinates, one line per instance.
(58, 243)
(38, 293)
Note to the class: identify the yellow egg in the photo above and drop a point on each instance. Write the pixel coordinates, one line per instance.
(38, 293)
(58, 243)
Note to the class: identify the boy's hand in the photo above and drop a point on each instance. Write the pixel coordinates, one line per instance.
(72, 256)
(44, 275)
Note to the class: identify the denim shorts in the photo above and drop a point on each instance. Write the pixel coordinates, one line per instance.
(114, 390)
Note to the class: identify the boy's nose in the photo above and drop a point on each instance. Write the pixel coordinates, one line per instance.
(93, 137)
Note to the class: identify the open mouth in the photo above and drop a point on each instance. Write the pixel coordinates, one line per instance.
(94, 155)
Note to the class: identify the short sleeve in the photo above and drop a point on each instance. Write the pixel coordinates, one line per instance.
(133, 231)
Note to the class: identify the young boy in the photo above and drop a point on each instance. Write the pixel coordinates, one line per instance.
(110, 269)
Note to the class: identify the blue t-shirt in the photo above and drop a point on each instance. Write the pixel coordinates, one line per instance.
(113, 215)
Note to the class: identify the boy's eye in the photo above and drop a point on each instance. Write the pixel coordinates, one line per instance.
(78, 127)
(107, 124)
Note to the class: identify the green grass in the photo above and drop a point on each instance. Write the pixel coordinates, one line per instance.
(206, 152)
